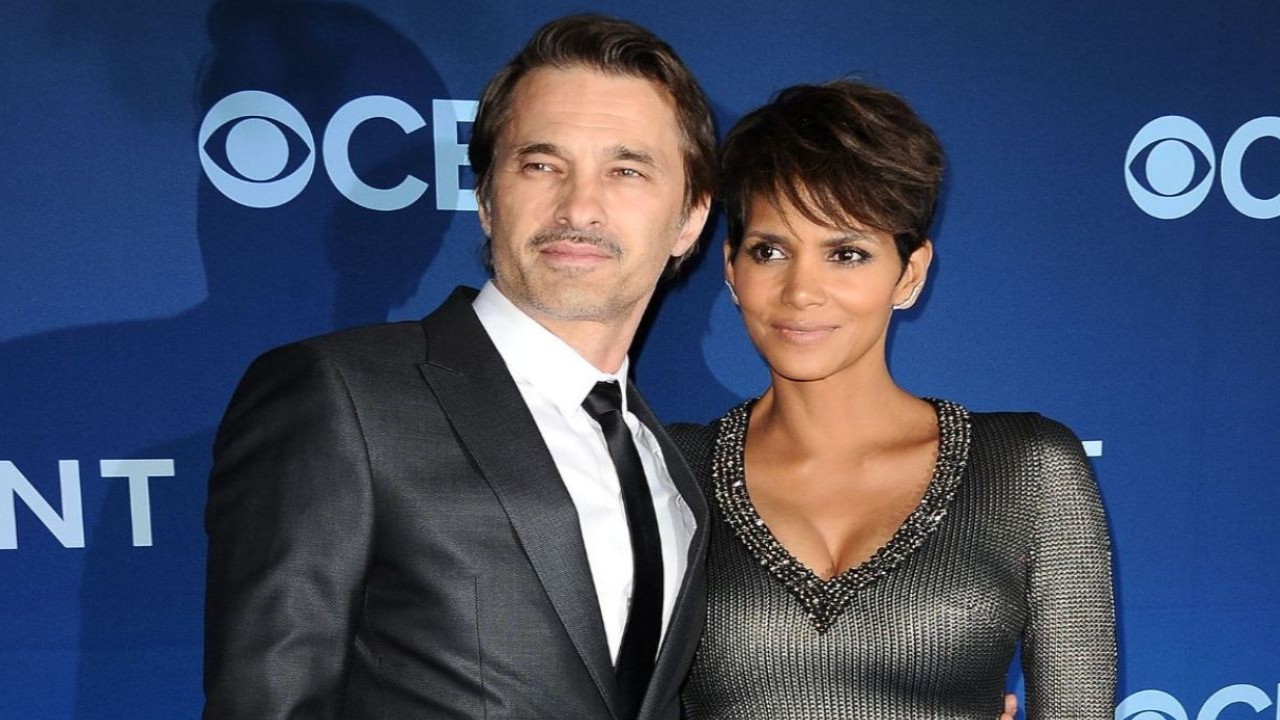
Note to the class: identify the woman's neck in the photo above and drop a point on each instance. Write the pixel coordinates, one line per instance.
(834, 415)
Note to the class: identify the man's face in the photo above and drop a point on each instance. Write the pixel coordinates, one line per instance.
(587, 195)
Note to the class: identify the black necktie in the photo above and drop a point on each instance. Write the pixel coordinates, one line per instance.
(644, 620)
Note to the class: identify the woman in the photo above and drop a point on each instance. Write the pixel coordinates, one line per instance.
(877, 555)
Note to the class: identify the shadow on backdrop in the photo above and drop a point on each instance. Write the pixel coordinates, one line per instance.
(157, 388)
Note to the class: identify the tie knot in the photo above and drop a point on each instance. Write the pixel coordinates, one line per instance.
(604, 398)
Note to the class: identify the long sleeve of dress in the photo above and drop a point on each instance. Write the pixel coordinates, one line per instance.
(1069, 649)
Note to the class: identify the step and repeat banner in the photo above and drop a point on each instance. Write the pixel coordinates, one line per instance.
(187, 184)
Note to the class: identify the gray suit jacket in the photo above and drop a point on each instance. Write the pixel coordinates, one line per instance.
(389, 538)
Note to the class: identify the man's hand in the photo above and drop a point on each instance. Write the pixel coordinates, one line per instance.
(1010, 707)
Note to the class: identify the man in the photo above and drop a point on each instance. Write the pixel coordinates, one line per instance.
(424, 520)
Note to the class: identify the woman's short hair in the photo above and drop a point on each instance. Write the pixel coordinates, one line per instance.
(843, 154)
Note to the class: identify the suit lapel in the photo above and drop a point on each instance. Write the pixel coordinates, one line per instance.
(486, 410)
(688, 615)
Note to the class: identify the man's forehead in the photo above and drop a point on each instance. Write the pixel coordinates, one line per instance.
(582, 93)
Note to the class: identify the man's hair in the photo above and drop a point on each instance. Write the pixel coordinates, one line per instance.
(612, 47)
(843, 154)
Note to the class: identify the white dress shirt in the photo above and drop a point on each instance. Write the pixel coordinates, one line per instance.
(554, 380)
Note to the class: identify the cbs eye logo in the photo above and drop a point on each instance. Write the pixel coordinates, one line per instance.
(1170, 167)
(254, 130)
(258, 150)
(1160, 705)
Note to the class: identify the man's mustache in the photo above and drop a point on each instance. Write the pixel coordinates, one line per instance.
(599, 240)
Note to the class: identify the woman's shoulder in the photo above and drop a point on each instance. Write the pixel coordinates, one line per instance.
(696, 442)
(1036, 452)
(1028, 431)
(692, 436)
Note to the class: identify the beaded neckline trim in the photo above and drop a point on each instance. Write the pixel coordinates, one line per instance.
(825, 600)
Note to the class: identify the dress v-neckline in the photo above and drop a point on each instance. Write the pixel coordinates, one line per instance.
(824, 600)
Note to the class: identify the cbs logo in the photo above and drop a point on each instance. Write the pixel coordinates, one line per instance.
(1159, 705)
(1170, 167)
(260, 138)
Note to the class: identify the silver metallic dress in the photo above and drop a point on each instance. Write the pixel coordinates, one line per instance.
(1008, 543)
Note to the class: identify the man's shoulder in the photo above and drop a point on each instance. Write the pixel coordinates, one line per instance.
(390, 341)
(373, 350)
(396, 338)
(395, 342)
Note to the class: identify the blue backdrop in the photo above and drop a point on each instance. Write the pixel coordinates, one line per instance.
(185, 184)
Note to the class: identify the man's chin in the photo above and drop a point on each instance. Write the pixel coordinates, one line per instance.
(580, 305)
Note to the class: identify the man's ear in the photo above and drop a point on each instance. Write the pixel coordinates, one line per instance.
(482, 209)
(695, 220)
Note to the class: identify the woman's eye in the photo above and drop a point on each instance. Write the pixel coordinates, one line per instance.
(765, 252)
(848, 255)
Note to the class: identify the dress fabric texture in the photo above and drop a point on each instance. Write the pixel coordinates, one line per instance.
(1008, 543)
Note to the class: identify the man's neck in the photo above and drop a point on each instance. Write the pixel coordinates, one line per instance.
(602, 342)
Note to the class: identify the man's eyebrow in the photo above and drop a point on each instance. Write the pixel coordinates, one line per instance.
(622, 152)
(537, 148)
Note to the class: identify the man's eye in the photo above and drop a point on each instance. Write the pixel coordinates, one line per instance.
(537, 167)
(628, 172)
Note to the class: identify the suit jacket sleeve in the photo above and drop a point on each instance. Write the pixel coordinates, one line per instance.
(289, 520)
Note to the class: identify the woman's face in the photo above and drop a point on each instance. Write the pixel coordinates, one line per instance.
(816, 300)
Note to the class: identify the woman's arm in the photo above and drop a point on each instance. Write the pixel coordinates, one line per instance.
(1069, 646)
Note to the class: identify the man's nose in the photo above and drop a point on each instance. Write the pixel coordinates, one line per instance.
(581, 205)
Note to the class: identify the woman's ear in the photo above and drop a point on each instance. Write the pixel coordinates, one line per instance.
(913, 276)
(728, 271)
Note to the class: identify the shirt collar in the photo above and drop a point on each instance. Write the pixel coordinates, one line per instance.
(538, 356)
